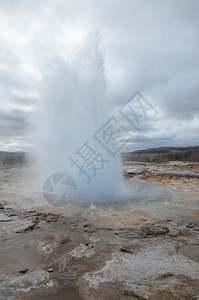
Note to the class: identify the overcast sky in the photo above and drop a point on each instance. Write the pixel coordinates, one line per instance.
(150, 46)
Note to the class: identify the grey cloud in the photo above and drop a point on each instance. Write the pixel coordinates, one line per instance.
(150, 46)
(11, 122)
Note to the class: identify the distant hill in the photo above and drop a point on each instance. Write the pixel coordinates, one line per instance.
(12, 158)
(164, 154)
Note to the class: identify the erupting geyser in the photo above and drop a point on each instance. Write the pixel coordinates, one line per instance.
(74, 106)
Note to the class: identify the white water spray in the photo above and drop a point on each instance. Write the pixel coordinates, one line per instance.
(74, 106)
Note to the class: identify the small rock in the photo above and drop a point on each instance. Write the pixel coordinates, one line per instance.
(64, 240)
(33, 281)
(12, 215)
(82, 251)
(174, 232)
(133, 294)
(176, 229)
(24, 227)
(50, 270)
(132, 248)
(23, 270)
(155, 229)
(88, 245)
(190, 225)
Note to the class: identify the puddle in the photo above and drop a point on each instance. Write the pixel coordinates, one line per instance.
(190, 251)
(70, 293)
(13, 259)
(138, 191)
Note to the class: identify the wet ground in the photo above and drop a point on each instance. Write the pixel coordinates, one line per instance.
(145, 246)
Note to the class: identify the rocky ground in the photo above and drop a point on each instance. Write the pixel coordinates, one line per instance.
(146, 250)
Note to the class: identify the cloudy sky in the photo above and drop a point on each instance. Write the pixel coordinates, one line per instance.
(150, 46)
